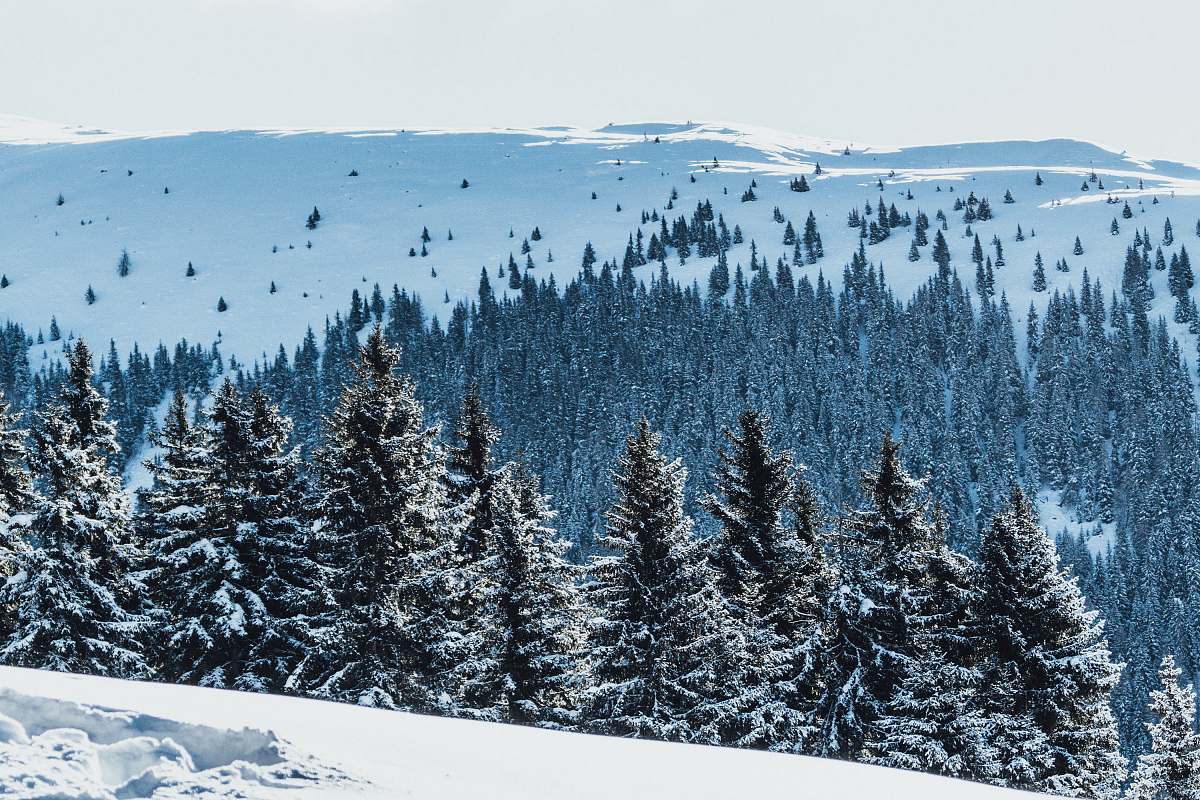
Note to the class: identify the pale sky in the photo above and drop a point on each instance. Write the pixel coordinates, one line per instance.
(900, 72)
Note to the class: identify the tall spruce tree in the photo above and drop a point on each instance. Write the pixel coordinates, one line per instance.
(664, 652)
(769, 573)
(390, 535)
(70, 606)
(540, 612)
(275, 543)
(884, 550)
(1171, 771)
(214, 614)
(1049, 661)
(934, 721)
(16, 497)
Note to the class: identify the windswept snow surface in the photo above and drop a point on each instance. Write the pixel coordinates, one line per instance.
(59, 738)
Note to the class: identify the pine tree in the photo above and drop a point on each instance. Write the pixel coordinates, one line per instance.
(1039, 273)
(941, 256)
(390, 536)
(1172, 770)
(16, 497)
(72, 608)
(664, 654)
(1049, 663)
(16, 490)
(539, 609)
(274, 541)
(934, 722)
(871, 645)
(173, 519)
(770, 575)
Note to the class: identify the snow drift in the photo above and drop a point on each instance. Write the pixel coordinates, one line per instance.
(60, 737)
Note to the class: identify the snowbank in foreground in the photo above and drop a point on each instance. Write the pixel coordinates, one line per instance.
(60, 733)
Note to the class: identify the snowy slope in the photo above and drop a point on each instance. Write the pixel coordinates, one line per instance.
(204, 743)
(234, 196)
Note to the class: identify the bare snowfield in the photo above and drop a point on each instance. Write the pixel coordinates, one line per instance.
(76, 737)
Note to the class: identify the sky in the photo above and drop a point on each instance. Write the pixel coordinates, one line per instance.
(900, 72)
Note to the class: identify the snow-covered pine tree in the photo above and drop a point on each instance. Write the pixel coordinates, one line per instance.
(213, 615)
(106, 503)
(1049, 662)
(664, 652)
(16, 497)
(67, 601)
(390, 534)
(871, 611)
(171, 518)
(1172, 770)
(934, 722)
(275, 543)
(16, 490)
(756, 485)
(539, 607)
(770, 575)
(478, 681)
(469, 471)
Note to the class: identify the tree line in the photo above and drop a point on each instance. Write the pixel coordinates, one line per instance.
(408, 571)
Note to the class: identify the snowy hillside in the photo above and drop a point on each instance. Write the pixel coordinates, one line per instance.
(234, 205)
(60, 737)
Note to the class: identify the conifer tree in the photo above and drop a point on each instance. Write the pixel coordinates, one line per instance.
(16, 497)
(274, 541)
(1039, 273)
(16, 489)
(664, 653)
(869, 614)
(934, 722)
(1171, 771)
(771, 575)
(172, 520)
(941, 256)
(390, 536)
(71, 607)
(540, 613)
(1050, 664)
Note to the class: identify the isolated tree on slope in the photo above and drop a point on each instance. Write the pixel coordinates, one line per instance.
(664, 651)
(1050, 662)
(1172, 770)
(390, 536)
(67, 601)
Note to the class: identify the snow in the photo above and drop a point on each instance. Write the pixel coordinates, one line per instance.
(61, 738)
(235, 195)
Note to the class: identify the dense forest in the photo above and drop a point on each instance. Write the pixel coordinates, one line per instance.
(305, 502)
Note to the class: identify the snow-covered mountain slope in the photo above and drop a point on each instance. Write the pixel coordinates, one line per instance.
(60, 737)
(238, 201)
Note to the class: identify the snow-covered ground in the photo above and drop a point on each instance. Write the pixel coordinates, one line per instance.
(74, 737)
(238, 201)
